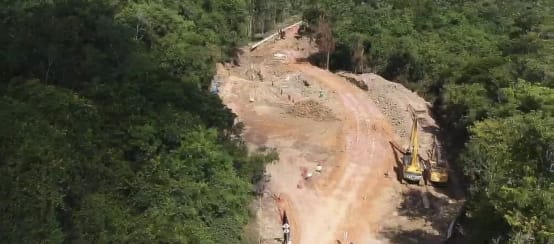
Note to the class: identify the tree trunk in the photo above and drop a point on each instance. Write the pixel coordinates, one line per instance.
(362, 61)
(328, 54)
(252, 14)
(274, 16)
(50, 63)
(250, 23)
(263, 26)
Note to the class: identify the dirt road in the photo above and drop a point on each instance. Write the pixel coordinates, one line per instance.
(351, 199)
(360, 178)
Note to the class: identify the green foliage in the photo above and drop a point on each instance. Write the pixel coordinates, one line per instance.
(108, 133)
(509, 160)
(265, 15)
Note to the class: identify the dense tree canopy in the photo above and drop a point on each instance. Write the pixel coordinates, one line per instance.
(108, 133)
(509, 160)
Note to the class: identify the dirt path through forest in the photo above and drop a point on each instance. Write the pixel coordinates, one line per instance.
(351, 199)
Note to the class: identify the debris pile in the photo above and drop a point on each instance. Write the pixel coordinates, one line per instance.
(254, 73)
(393, 100)
(359, 83)
(393, 111)
(313, 110)
(383, 94)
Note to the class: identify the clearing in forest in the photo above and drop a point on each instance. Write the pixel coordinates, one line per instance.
(339, 135)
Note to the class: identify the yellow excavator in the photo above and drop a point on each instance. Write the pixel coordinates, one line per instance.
(412, 168)
(438, 167)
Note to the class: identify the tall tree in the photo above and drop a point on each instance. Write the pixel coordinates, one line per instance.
(324, 39)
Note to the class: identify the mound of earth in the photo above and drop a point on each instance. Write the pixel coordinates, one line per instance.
(312, 109)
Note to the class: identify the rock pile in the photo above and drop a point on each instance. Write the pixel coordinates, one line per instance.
(384, 96)
(392, 111)
(359, 83)
(313, 110)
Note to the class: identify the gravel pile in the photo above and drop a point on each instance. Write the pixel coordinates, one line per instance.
(392, 111)
(313, 110)
(380, 94)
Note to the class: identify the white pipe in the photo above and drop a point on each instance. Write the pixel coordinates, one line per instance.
(273, 35)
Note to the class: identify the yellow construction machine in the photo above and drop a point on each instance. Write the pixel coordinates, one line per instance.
(412, 167)
(438, 167)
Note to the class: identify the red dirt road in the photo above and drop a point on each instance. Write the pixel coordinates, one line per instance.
(341, 202)
(345, 197)
(351, 199)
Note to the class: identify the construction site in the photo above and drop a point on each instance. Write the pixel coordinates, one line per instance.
(360, 157)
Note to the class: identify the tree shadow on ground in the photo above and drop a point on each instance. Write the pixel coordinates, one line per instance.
(443, 189)
(413, 207)
(436, 216)
(397, 157)
(411, 236)
(432, 129)
(316, 59)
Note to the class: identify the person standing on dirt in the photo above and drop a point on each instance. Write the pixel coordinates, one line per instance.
(286, 228)
(286, 233)
(426, 173)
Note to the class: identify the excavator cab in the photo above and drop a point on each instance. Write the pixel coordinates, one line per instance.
(439, 175)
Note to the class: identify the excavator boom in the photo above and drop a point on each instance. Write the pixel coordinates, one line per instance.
(413, 170)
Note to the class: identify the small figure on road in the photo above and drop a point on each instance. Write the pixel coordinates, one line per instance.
(308, 175)
(281, 34)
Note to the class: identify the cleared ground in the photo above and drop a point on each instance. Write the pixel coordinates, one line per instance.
(315, 117)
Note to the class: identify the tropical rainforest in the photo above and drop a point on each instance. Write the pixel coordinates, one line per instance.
(108, 133)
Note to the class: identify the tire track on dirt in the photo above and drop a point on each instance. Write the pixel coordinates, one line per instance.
(359, 151)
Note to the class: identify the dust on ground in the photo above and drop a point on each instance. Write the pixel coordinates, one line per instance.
(315, 118)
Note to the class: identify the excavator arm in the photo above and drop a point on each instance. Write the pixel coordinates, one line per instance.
(413, 169)
(398, 148)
